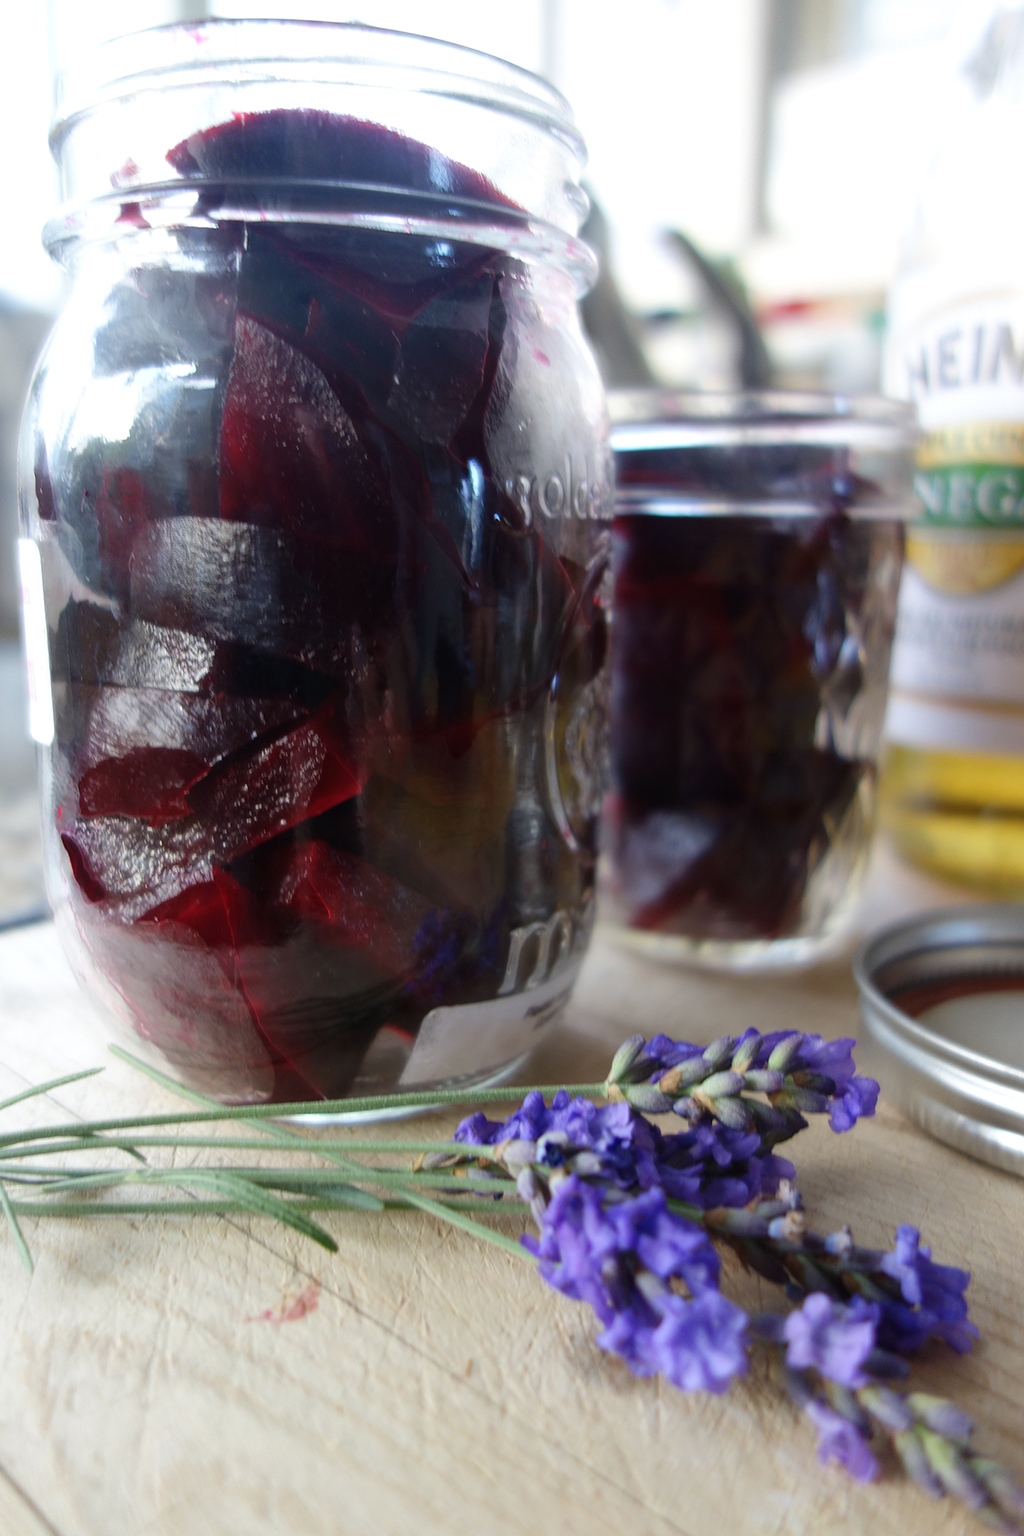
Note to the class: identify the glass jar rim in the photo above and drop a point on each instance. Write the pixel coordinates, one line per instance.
(646, 419)
(665, 441)
(321, 52)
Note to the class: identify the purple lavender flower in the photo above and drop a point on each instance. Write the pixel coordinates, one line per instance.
(698, 1345)
(777, 1062)
(933, 1301)
(617, 1255)
(707, 1166)
(666, 1244)
(583, 1229)
(712, 1165)
(840, 1440)
(663, 1053)
(622, 1141)
(834, 1338)
(853, 1097)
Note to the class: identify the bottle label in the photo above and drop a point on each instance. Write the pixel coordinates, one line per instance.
(957, 676)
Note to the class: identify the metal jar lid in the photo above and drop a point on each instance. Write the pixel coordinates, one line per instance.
(942, 1016)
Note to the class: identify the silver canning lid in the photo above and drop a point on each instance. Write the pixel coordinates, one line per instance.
(942, 1016)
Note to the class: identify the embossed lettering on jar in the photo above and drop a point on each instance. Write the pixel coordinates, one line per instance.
(316, 490)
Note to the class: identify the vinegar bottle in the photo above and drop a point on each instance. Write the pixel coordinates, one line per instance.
(953, 786)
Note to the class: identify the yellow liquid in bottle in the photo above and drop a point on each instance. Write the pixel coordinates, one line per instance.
(960, 814)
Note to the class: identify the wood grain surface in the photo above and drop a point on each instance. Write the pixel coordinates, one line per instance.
(177, 1377)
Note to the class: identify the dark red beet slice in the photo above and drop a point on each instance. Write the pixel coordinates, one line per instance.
(294, 596)
(151, 782)
(252, 798)
(358, 941)
(321, 146)
(292, 457)
(352, 903)
(441, 362)
(726, 647)
(219, 911)
(110, 722)
(176, 991)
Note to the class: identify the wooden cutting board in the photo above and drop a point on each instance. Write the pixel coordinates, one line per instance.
(180, 1377)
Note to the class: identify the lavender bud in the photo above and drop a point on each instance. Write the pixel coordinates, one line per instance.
(626, 1057)
(647, 1099)
(804, 1100)
(533, 1192)
(840, 1243)
(745, 1053)
(732, 1113)
(879, 1362)
(481, 1175)
(915, 1462)
(788, 1200)
(944, 1417)
(817, 1081)
(685, 1075)
(844, 1403)
(766, 1117)
(951, 1469)
(736, 1219)
(650, 1287)
(516, 1154)
(687, 1109)
(763, 1081)
(888, 1408)
(528, 1184)
(721, 1085)
(788, 1193)
(719, 1052)
(789, 1228)
(784, 1052)
(585, 1163)
(999, 1483)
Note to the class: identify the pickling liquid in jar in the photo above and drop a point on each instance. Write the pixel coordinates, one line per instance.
(316, 502)
(757, 547)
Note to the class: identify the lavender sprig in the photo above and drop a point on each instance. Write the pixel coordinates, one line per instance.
(604, 1185)
(628, 1217)
(798, 1074)
(831, 1365)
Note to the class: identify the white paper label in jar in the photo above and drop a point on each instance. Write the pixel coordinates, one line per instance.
(37, 647)
(474, 1037)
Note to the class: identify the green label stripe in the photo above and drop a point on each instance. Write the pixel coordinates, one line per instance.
(972, 495)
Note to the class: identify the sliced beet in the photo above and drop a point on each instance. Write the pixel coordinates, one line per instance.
(151, 782)
(322, 146)
(730, 785)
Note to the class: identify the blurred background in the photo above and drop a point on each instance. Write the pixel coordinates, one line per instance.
(748, 157)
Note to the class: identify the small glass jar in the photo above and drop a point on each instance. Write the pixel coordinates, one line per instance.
(758, 541)
(316, 500)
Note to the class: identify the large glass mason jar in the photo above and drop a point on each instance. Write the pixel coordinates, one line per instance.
(316, 492)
